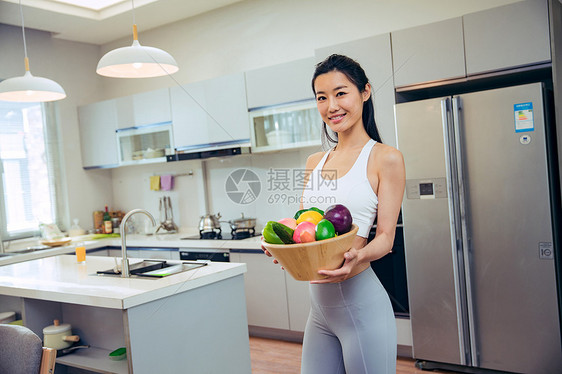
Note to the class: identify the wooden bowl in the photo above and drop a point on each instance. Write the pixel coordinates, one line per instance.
(303, 260)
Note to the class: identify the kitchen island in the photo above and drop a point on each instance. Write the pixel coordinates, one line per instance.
(192, 322)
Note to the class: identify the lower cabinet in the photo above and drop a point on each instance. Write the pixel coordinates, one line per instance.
(273, 298)
(102, 328)
(298, 299)
(266, 298)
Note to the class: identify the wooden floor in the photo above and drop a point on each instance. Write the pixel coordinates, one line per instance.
(280, 357)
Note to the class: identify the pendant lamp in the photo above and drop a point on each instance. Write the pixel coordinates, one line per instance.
(28, 88)
(136, 61)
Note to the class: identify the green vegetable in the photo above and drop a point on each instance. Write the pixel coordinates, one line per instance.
(297, 214)
(317, 210)
(105, 236)
(284, 233)
(269, 235)
(325, 230)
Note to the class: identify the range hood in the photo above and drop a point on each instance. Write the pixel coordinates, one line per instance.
(219, 149)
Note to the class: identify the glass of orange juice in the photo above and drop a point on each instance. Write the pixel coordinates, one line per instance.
(80, 253)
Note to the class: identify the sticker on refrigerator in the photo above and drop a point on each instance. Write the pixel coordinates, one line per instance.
(524, 117)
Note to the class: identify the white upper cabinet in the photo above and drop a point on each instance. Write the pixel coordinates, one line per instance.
(375, 56)
(508, 36)
(210, 113)
(283, 112)
(147, 108)
(284, 127)
(125, 112)
(501, 38)
(280, 84)
(428, 53)
(98, 143)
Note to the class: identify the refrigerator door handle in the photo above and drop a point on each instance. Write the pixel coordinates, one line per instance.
(455, 203)
(466, 253)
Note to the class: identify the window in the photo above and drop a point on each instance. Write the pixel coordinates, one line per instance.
(29, 168)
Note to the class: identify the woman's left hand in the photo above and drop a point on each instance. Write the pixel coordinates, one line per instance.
(341, 274)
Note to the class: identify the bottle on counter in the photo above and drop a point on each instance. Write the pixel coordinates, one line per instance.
(107, 225)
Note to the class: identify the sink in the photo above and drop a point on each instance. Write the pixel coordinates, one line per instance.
(139, 267)
(171, 269)
(155, 269)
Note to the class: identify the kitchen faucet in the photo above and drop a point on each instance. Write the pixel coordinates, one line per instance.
(123, 231)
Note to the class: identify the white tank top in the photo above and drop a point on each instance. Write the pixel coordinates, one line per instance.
(352, 190)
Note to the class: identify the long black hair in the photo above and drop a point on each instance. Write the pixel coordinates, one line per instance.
(355, 73)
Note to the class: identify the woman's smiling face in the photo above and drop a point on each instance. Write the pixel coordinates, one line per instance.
(339, 102)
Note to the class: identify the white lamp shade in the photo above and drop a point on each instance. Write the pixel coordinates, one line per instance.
(136, 61)
(28, 88)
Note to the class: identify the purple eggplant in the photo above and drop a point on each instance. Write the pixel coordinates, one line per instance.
(340, 217)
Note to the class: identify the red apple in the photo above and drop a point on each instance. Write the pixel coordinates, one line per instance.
(307, 237)
(302, 227)
(289, 222)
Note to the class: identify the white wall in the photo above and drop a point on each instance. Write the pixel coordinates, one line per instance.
(132, 188)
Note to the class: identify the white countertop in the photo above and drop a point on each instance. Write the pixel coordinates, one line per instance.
(136, 240)
(62, 279)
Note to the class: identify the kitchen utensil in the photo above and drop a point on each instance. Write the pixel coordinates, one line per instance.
(166, 216)
(303, 260)
(209, 222)
(65, 351)
(242, 223)
(59, 336)
(118, 354)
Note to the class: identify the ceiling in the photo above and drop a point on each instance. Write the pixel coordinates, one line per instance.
(80, 24)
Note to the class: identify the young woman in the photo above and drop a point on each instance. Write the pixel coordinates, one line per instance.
(351, 326)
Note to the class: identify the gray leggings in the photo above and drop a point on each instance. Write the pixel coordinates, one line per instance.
(350, 329)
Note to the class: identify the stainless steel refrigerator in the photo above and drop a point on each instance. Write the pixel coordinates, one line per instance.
(478, 230)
